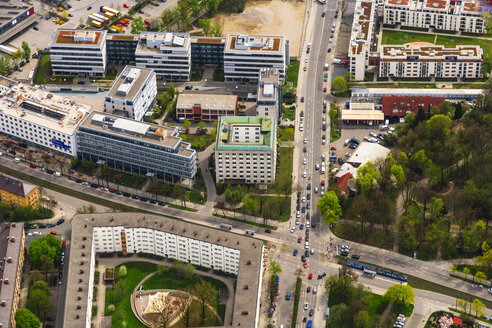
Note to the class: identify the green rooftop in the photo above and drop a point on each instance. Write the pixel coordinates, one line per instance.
(228, 123)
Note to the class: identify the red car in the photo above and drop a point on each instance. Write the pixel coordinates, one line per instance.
(33, 166)
(126, 6)
(333, 148)
(53, 232)
(64, 243)
(305, 265)
(310, 276)
(307, 238)
(112, 190)
(324, 89)
(299, 240)
(322, 182)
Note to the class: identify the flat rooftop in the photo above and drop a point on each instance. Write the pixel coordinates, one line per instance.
(78, 37)
(268, 82)
(11, 10)
(367, 151)
(228, 123)
(206, 101)
(361, 34)
(151, 133)
(209, 40)
(129, 82)
(471, 6)
(40, 107)
(430, 52)
(255, 43)
(250, 260)
(436, 4)
(122, 37)
(398, 2)
(11, 240)
(159, 42)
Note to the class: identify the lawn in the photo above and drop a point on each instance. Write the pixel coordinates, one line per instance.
(284, 164)
(289, 112)
(195, 317)
(131, 180)
(293, 72)
(399, 37)
(43, 70)
(286, 134)
(199, 141)
(352, 232)
(273, 207)
(168, 279)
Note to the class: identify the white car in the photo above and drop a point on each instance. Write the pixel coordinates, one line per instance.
(307, 224)
(315, 190)
(37, 233)
(315, 290)
(372, 134)
(306, 60)
(297, 222)
(322, 157)
(303, 199)
(304, 161)
(292, 229)
(306, 246)
(306, 305)
(57, 174)
(316, 166)
(305, 140)
(304, 174)
(298, 214)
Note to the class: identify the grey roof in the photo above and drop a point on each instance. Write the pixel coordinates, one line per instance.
(15, 186)
(81, 260)
(133, 87)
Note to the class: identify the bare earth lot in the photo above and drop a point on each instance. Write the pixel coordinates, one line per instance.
(267, 18)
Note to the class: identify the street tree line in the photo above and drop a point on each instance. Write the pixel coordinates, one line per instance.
(10, 62)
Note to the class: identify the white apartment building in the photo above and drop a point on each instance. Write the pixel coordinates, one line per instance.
(168, 54)
(36, 116)
(246, 150)
(362, 37)
(132, 94)
(130, 233)
(246, 55)
(269, 94)
(450, 15)
(415, 61)
(78, 52)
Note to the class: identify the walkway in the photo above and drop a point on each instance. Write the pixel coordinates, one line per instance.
(203, 158)
(100, 298)
(228, 281)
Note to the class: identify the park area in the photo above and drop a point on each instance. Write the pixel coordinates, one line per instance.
(179, 278)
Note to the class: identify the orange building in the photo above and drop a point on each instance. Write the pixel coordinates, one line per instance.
(18, 193)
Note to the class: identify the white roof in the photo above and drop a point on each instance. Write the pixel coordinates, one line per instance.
(346, 168)
(131, 126)
(368, 151)
(268, 90)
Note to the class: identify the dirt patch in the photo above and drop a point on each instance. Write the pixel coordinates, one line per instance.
(267, 18)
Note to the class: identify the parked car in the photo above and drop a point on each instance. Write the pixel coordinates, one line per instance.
(60, 221)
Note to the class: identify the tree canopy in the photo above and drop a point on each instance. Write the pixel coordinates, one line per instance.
(26, 319)
(400, 294)
(44, 251)
(329, 206)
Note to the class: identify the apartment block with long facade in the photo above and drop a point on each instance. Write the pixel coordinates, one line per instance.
(168, 54)
(421, 61)
(17, 192)
(246, 149)
(136, 147)
(362, 37)
(78, 52)
(448, 15)
(246, 55)
(207, 50)
(205, 107)
(12, 238)
(269, 94)
(132, 94)
(120, 48)
(38, 117)
(188, 242)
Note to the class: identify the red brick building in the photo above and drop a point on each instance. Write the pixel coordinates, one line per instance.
(401, 106)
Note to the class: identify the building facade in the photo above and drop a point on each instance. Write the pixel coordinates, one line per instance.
(362, 37)
(246, 149)
(36, 116)
(132, 94)
(78, 52)
(120, 48)
(205, 107)
(136, 147)
(168, 54)
(12, 238)
(269, 94)
(207, 51)
(417, 61)
(15, 15)
(246, 55)
(17, 192)
(459, 15)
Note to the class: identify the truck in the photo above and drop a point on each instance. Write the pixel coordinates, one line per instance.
(117, 28)
(8, 50)
(96, 23)
(105, 9)
(108, 14)
(103, 19)
(124, 22)
(327, 66)
(340, 61)
(61, 9)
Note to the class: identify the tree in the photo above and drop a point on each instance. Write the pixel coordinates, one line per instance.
(183, 16)
(38, 302)
(64, 15)
(201, 125)
(466, 271)
(26, 319)
(463, 305)
(399, 295)
(26, 51)
(189, 271)
(122, 271)
(480, 277)
(155, 23)
(179, 193)
(138, 25)
(362, 320)
(41, 285)
(228, 194)
(167, 18)
(338, 315)
(205, 25)
(329, 206)
(478, 307)
(340, 84)
(178, 267)
(366, 176)
(275, 268)
(421, 115)
(250, 205)
(186, 124)
(44, 249)
(206, 293)
(485, 260)
(212, 6)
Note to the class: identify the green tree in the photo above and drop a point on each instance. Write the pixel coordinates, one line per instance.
(26, 51)
(138, 25)
(216, 30)
(480, 277)
(366, 176)
(189, 271)
(38, 302)
(41, 285)
(485, 260)
(49, 246)
(186, 124)
(64, 15)
(362, 320)
(250, 205)
(399, 294)
(338, 315)
(478, 307)
(340, 84)
(212, 6)
(119, 290)
(206, 293)
(122, 271)
(167, 18)
(183, 16)
(26, 319)
(155, 23)
(463, 305)
(329, 206)
(466, 271)
(201, 125)
(421, 115)
(275, 268)
(228, 194)
(205, 25)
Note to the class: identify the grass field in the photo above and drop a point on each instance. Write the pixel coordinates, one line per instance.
(284, 164)
(400, 37)
(286, 134)
(293, 72)
(43, 70)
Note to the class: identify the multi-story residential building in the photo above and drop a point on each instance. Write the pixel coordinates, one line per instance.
(377, 93)
(400, 106)
(459, 15)
(120, 48)
(416, 61)
(207, 51)
(78, 52)
(168, 54)
(269, 94)
(129, 233)
(136, 147)
(12, 239)
(132, 94)
(246, 55)
(17, 192)
(362, 37)
(246, 149)
(36, 116)
(205, 107)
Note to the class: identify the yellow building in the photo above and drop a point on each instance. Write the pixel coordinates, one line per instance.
(17, 192)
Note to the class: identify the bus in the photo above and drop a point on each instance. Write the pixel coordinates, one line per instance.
(96, 23)
(105, 9)
(100, 18)
(108, 14)
(95, 19)
(8, 50)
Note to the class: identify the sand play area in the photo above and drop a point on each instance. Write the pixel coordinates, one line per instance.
(267, 18)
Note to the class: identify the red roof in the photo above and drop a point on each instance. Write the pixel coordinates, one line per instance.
(457, 321)
(343, 182)
(400, 106)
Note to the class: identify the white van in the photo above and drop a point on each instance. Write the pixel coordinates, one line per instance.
(17, 160)
(323, 169)
(57, 174)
